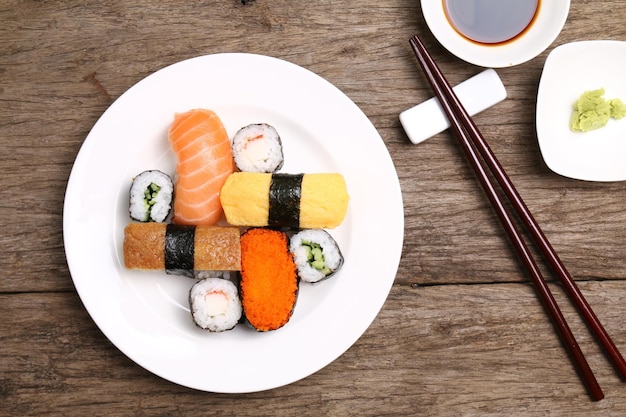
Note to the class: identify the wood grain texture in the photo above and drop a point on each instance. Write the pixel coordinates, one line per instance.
(483, 350)
(461, 334)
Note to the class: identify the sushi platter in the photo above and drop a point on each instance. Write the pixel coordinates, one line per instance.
(146, 314)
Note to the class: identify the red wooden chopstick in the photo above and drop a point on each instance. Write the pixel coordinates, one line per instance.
(470, 137)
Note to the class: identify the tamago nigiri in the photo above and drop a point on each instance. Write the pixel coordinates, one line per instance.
(204, 161)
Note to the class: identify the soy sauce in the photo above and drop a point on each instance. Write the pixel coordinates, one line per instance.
(491, 22)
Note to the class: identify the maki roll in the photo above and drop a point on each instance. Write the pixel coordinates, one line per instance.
(269, 281)
(306, 201)
(214, 304)
(151, 196)
(316, 254)
(258, 148)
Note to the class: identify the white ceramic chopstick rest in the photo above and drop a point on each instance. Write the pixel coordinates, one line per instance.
(476, 94)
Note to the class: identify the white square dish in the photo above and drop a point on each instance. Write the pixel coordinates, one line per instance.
(569, 71)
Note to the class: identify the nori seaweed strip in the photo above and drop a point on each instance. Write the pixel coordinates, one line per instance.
(285, 192)
(179, 249)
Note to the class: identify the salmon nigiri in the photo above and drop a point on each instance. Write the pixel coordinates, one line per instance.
(205, 160)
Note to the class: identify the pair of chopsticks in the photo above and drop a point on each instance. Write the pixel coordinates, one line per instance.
(471, 140)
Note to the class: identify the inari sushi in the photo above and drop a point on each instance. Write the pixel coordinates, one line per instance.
(269, 281)
(214, 304)
(204, 161)
(181, 250)
(151, 196)
(258, 148)
(312, 201)
(316, 254)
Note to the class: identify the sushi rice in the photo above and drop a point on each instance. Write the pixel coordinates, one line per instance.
(151, 196)
(316, 254)
(215, 304)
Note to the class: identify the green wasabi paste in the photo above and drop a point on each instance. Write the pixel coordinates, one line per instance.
(591, 111)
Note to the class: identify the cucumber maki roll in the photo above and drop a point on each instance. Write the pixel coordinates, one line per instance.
(316, 254)
(257, 148)
(151, 196)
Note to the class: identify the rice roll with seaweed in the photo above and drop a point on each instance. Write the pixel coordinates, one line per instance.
(316, 254)
(151, 196)
(214, 304)
(269, 281)
(258, 148)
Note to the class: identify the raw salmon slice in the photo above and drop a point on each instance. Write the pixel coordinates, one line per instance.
(202, 148)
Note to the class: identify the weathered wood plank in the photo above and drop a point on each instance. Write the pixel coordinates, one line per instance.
(462, 332)
(436, 350)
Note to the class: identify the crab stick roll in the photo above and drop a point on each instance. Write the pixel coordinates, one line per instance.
(181, 250)
(258, 148)
(269, 280)
(294, 200)
(214, 304)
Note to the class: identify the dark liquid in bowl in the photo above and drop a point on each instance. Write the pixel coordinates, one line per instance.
(491, 21)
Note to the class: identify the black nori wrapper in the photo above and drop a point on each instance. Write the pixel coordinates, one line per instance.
(285, 192)
(179, 249)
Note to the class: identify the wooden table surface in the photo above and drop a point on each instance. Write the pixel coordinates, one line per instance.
(461, 333)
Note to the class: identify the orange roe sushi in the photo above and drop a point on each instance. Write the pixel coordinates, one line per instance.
(204, 162)
(269, 280)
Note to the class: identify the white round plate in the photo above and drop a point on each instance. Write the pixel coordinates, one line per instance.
(569, 71)
(548, 23)
(146, 314)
